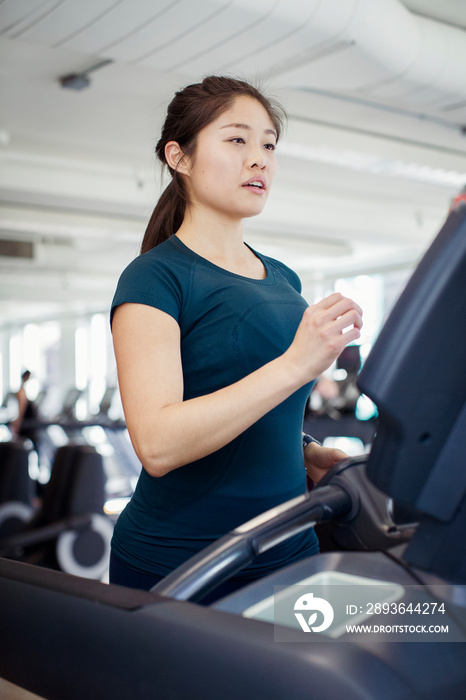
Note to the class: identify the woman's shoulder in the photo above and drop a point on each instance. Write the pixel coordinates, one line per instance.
(160, 278)
(161, 260)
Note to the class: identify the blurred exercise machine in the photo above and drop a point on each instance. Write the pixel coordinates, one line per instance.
(17, 489)
(69, 530)
(107, 436)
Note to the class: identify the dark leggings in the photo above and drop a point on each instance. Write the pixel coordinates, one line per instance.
(123, 575)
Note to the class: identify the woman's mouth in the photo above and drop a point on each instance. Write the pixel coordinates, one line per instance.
(256, 185)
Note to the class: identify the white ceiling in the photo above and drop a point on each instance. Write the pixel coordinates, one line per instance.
(374, 152)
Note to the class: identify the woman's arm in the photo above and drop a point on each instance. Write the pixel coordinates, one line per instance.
(168, 432)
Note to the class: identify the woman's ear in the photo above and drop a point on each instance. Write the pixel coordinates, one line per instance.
(175, 158)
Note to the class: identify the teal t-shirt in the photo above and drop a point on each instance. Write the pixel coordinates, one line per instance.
(230, 326)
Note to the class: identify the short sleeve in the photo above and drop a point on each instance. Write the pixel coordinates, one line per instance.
(150, 279)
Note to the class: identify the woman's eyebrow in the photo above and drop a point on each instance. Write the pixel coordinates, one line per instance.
(247, 127)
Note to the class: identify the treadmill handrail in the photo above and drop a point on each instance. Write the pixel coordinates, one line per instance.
(239, 548)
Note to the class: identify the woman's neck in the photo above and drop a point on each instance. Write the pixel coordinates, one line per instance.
(221, 242)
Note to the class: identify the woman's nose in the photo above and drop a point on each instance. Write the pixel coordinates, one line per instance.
(257, 160)
(256, 155)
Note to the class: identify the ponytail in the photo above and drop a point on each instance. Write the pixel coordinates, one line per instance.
(167, 216)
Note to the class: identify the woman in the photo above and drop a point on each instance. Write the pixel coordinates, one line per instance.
(27, 413)
(215, 347)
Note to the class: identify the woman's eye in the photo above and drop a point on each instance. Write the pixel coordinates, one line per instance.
(270, 146)
(238, 139)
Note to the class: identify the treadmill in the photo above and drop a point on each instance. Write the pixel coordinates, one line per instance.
(383, 617)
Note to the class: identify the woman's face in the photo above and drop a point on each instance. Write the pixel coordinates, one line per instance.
(233, 166)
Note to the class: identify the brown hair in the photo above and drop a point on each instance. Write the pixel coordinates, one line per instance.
(192, 109)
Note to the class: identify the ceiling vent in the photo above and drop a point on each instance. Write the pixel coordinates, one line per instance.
(16, 249)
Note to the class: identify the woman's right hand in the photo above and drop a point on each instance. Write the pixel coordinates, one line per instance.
(325, 330)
